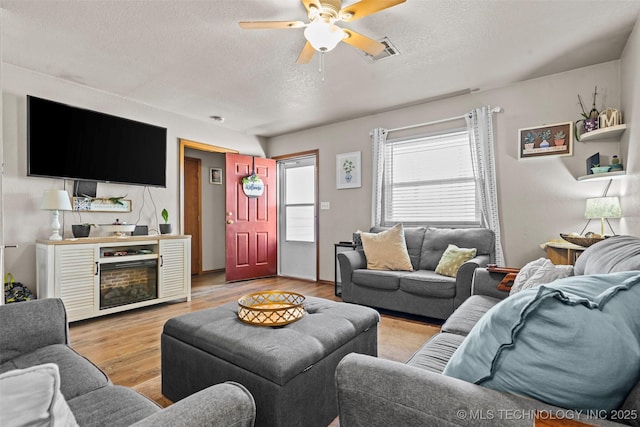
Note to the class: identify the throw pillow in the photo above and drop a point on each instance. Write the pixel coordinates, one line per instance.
(572, 343)
(539, 272)
(32, 397)
(386, 250)
(452, 259)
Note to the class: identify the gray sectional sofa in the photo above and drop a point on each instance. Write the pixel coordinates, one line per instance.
(34, 333)
(376, 392)
(422, 291)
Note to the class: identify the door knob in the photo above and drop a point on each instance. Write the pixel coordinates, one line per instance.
(229, 213)
(229, 221)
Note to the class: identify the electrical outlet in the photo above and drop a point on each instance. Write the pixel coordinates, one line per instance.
(325, 206)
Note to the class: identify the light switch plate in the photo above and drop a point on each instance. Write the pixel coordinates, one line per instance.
(325, 206)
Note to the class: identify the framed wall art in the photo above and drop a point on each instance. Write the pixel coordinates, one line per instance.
(548, 140)
(215, 176)
(348, 170)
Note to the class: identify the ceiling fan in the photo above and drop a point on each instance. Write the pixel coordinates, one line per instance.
(321, 31)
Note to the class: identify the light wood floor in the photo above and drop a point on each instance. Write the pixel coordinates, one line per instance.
(127, 345)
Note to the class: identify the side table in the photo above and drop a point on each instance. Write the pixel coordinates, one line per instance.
(562, 253)
(336, 287)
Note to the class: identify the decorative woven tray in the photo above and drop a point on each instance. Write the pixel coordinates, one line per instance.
(271, 308)
(581, 241)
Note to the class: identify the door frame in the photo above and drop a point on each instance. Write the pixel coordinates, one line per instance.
(316, 154)
(186, 143)
(199, 231)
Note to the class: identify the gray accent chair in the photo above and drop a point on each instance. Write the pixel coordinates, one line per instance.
(375, 392)
(422, 291)
(36, 332)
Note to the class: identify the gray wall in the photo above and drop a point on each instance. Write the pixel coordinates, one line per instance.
(630, 88)
(539, 198)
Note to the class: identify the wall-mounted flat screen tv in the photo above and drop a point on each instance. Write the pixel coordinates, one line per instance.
(70, 142)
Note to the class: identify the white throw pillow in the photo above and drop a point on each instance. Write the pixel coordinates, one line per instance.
(31, 397)
(540, 272)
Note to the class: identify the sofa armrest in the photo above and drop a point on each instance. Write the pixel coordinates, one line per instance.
(29, 325)
(464, 277)
(376, 392)
(226, 404)
(349, 261)
(486, 283)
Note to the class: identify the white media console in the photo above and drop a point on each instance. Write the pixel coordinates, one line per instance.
(104, 275)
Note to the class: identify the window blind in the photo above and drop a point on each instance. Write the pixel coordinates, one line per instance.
(429, 181)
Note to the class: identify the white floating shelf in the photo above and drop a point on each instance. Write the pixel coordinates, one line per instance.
(602, 176)
(604, 133)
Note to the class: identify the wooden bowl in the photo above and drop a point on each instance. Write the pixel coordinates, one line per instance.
(585, 242)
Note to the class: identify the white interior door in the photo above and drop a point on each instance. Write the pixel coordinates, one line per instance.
(297, 218)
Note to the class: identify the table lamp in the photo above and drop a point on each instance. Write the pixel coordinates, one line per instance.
(603, 208)
(54, 201)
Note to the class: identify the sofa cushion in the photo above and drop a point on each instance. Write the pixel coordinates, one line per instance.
(413, 237)
(435, 353)
(572, 343)
(539, 272)
(428, 283)
(31, 397)
(468, 314)
(386, 250)
(452, 258)
(436, 241)
(115, 406)
(377, 279)
(77, 374)
(616, 253)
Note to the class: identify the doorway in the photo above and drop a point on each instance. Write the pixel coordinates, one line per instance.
(298, 216)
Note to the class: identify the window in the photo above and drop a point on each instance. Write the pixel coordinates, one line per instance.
(299, 204)
(429, 181)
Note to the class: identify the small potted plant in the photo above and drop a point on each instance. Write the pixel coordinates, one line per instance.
(166, 227)
(529, 140)
(81, 230)
(558, 138)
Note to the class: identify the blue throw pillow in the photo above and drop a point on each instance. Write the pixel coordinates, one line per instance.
(573, 343)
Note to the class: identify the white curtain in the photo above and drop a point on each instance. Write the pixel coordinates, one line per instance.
(480, 126)
(378, 139)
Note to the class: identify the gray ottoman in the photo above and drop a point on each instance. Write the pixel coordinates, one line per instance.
(289, 370)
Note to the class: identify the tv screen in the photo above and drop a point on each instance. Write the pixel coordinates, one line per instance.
(70, 142)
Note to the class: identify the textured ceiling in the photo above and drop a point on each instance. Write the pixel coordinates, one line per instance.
(191, 58)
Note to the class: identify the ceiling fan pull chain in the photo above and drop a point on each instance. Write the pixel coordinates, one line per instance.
(322, 65)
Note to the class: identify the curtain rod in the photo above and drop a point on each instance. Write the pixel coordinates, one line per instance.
(435, 122)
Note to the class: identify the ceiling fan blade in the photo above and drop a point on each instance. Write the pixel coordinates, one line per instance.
(306, 54)
(364, 43)
(366, 7)
(264, 25)
(308, 3)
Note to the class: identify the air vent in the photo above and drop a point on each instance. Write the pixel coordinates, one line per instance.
(389, 51)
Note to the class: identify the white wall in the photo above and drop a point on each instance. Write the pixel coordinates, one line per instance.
(24, 223)
(630, 88)
(213, 211)
(539, 198)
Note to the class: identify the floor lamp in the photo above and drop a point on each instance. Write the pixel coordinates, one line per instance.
(54, 201)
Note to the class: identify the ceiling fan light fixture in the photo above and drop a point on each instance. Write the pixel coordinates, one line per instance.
(323, 36)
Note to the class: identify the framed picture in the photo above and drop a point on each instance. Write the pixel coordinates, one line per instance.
(348, 170)
(549, 140)
(215, 176)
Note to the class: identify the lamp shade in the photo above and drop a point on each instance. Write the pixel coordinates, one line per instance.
(322, 35)
(55, 200)
(603, 207)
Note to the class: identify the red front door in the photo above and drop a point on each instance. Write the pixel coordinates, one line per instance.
(251, 236)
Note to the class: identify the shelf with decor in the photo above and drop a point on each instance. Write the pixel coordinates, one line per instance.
(602, 176)
(609, 132)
